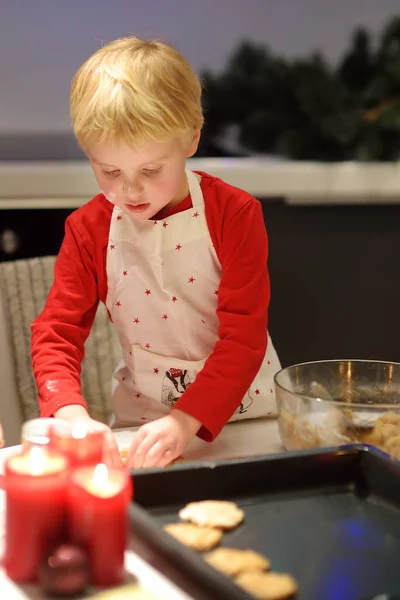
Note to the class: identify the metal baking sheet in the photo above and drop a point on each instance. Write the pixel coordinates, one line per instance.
(329, 517)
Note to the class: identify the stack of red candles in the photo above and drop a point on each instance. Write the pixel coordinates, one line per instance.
(61, 492)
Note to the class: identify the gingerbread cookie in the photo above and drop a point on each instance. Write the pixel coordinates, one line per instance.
(213, 513)
(268, 586)
(231, 561)
(197, 538)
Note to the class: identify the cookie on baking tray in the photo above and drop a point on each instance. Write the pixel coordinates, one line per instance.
(197, 538)
(213, 513)
(231, 561)
(268, 586)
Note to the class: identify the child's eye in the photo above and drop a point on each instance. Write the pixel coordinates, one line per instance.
(151, 171)
(112, 174)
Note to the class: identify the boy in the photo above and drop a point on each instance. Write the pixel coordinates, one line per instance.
(179, 259)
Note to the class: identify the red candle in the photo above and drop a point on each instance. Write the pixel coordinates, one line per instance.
(98, 498)
(83, 443)
(36, 503)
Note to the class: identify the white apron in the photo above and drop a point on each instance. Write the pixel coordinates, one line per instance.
(163, 278)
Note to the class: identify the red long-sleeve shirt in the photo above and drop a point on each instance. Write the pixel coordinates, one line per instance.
(237, 231)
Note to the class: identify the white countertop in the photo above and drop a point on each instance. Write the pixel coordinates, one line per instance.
(69, 184)
(240, 439)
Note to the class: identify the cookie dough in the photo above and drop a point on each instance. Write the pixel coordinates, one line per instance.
(124, 455)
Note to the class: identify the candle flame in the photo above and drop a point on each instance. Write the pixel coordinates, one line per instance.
(100, 476)
(37, 460)
(79, 430)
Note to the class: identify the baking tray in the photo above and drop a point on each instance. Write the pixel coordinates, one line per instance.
(329, 517)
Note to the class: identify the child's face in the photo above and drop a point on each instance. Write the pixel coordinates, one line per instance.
(144, 180)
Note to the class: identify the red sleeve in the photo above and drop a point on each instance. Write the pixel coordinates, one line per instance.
(237, 230)
(60, 331)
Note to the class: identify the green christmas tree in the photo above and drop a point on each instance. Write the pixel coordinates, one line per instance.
(306, 110)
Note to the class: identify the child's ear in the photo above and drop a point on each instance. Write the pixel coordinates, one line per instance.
(194, 144)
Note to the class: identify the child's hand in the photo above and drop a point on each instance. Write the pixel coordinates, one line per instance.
(72, 413)
(1, 437)
(163, 440)
(75, 413)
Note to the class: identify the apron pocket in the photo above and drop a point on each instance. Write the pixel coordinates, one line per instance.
(162, 378)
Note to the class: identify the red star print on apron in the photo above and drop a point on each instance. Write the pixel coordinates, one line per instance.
(163, 277)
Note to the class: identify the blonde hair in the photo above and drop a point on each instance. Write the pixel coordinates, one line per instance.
(135, 90)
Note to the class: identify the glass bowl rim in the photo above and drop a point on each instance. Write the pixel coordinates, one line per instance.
(340, 403)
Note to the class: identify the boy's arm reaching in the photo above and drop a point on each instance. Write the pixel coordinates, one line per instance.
(60, 331)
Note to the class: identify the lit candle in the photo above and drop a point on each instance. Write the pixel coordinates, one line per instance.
(83, 442)
(36, 493)
(98, 498)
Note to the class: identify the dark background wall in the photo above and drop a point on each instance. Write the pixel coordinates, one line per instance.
(335, 281)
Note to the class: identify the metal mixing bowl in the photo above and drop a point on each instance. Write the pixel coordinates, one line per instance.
(335, 402)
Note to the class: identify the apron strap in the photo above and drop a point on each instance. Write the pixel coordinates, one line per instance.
(194, 189)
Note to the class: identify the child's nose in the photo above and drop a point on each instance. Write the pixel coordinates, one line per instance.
(133, 190)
